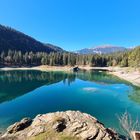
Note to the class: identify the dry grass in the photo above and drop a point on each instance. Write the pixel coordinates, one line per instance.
(128, 124)
(52, 135)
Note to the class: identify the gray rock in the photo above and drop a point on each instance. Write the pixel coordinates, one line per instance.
(18, 126)
(36, 131)
(70, 123)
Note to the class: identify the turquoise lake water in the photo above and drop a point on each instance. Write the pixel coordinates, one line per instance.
(28, 93)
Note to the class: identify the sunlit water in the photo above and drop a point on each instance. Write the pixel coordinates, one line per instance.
(28, 93)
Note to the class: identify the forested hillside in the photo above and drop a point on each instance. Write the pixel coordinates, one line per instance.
(130, 58)
(10, 39)
(134, 57)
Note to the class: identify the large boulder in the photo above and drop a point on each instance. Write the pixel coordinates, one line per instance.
(70, 123)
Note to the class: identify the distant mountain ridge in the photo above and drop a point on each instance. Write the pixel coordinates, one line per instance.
(11, 39)
(105, 49)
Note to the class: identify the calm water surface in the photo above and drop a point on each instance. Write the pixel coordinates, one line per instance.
(28, 93)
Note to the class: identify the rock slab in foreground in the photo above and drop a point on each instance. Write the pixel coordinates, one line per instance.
(70, 123)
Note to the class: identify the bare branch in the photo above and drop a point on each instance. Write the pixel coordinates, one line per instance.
(128, 124)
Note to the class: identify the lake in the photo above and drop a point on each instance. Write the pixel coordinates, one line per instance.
(28, 93)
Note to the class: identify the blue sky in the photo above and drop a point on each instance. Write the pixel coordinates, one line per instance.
(75, 24)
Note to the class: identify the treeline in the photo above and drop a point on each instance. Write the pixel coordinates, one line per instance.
(124, 59)
(129, 58)
(52, 59)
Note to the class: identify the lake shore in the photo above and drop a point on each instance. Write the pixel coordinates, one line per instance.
(129, 74)
(40, 68)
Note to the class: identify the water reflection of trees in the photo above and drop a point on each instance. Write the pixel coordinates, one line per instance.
(17, 83)
(20, 76)
(104, 78)
(98, 77)
(135, 96)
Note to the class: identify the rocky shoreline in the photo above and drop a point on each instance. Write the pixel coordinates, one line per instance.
(68, 125)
